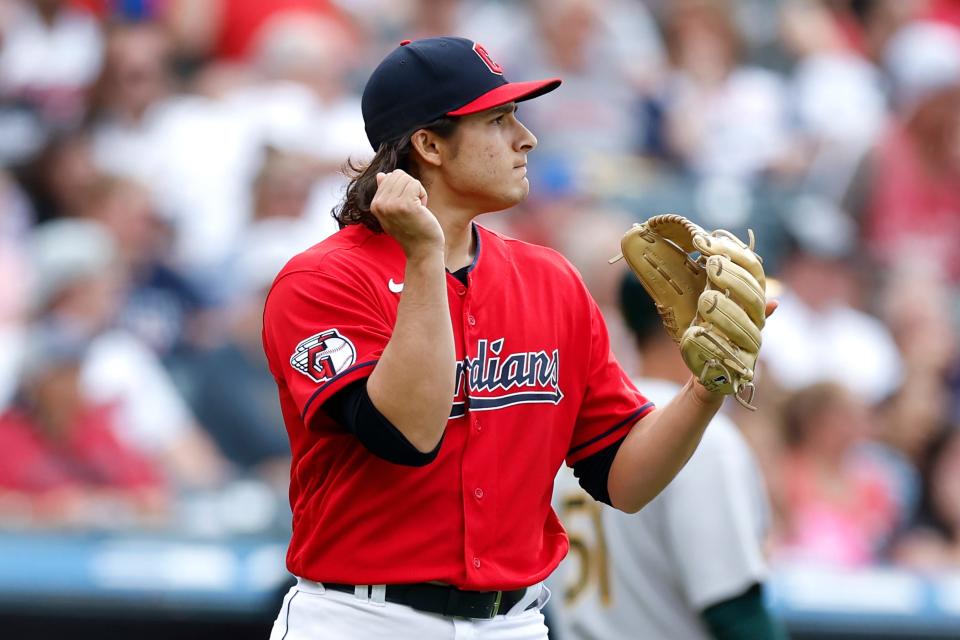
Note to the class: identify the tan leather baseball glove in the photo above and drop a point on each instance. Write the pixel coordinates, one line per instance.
(709, 289)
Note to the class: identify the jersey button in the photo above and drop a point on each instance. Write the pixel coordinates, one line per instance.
(478, 492)
(476, 563)
(461, 290)
(478, 427)
(471, 320)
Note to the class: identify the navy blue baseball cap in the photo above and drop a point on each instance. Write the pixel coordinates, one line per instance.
(424, 80)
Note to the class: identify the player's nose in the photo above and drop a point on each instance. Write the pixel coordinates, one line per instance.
(526, 141)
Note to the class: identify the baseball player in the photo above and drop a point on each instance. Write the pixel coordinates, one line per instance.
(434, 375)
(690, 565)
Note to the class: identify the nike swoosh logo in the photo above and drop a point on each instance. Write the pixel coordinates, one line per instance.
(393, 286)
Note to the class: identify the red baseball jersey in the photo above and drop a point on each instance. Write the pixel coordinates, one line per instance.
(536, 385)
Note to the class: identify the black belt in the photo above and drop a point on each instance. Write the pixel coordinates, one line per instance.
(447, 600)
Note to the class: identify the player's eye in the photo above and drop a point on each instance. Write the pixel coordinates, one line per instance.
(498, 120)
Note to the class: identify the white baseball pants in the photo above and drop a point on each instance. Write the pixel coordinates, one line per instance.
(310, 612)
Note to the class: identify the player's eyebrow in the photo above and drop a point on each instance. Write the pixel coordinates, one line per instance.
(510, 107)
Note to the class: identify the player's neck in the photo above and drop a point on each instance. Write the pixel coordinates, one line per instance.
(458, 237)
(460, 249)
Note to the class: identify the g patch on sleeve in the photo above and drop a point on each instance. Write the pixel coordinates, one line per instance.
(323, 355)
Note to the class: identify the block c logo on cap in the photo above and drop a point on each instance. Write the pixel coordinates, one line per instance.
(487, 60)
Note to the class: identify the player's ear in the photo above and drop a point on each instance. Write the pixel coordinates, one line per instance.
(426, 144)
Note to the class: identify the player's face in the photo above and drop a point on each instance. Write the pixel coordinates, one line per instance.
(488, 168)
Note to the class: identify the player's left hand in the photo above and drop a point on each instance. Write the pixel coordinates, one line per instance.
(714, 306)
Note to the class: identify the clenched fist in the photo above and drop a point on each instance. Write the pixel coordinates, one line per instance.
(400, 205)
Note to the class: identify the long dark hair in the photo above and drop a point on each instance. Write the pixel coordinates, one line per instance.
(395, 154)
(929, 514)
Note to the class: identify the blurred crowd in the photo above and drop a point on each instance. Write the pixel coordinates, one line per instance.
(161, 159)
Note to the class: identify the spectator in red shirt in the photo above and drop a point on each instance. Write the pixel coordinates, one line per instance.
(227, 29)
(914, 207)
(60, 462)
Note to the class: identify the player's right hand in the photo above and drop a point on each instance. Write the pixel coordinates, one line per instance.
(400, 205)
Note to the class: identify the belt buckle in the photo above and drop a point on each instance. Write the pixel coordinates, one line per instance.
(496, 604)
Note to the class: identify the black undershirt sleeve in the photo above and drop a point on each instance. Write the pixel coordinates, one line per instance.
(352, 408)
(593, 472)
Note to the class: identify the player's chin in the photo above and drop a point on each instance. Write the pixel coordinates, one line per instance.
(505, 198)
(519, 193)
(514, 199)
